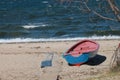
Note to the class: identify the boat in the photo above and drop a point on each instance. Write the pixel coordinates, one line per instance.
(81, 52)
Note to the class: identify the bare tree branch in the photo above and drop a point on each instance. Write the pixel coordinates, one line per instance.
(112, 4)
(87, 6)
(103, 17)
(114, 9)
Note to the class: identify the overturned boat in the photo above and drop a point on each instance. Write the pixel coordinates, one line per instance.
(81, 52)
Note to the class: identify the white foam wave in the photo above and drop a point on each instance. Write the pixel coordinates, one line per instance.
(30, 26)
(45, 2)
(17, 40)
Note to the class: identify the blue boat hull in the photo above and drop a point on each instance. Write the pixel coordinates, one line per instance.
(77, 60)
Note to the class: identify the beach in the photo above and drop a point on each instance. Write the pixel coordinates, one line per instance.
(22, 61)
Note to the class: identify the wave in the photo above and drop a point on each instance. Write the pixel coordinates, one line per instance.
(31, 26)
(17, 40)
(45, 2)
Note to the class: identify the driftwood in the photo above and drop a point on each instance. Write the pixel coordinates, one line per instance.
(115, 61)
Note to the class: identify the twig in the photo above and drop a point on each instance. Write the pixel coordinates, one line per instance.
(87, 6)
(114, 9)
(115, 60)
(103, 17)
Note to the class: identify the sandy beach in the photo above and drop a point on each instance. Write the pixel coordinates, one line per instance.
(22, 61)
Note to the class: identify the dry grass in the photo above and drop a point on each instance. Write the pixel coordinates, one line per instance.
(114, 72)
(115, 62)
(107, 76)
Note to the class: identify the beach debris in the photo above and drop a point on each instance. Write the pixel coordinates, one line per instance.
(47, 62)
(19, 46)
(37, 47)
(53, 72)
(59, 77)
(47, 47)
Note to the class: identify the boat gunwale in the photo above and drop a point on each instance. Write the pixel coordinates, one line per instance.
(70, 49)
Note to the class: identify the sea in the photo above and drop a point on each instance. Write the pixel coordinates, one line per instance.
(56, 20)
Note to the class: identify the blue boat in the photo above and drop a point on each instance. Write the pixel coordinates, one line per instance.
(81, 52)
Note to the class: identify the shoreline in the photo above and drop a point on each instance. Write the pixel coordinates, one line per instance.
(56, 41)
(33, 40)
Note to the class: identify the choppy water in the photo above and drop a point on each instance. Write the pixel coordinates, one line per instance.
(44, 20)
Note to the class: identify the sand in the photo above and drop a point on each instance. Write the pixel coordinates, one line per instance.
(22, 61)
